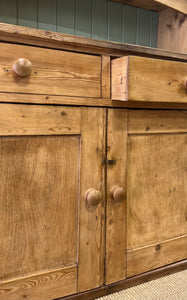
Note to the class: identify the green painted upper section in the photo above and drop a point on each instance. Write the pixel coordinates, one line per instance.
(98, 19)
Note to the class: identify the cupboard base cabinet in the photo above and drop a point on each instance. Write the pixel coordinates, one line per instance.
(93, 191)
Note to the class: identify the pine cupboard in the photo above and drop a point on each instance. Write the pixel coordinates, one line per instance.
(92, 191)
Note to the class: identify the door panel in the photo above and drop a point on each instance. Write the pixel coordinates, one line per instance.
(38, 203)
(156, 190)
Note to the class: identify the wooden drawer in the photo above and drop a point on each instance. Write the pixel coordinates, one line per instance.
(54, 72)
(145, 79)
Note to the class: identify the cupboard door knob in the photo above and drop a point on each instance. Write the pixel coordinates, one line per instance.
(93, 197)
(22, 67)
(118, 193)
(185, 84)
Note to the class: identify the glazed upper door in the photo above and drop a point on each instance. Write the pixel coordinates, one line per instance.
(50, 232)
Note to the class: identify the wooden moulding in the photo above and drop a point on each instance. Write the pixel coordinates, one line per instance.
(130, 282)
(157, 5)
(145, 79)
(65, 100)
(43, 38)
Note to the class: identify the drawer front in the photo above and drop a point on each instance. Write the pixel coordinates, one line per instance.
(145, 79)
(54, 72)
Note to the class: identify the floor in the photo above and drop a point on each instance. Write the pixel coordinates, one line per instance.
(171, 287)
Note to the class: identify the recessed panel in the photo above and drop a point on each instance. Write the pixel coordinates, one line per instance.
(157, 189)
(38, 200)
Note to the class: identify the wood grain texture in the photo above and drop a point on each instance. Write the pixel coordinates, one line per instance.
(105, 77)
(78, 101)
(116, 211)
(129, 282)
(50, 285)
(157, 121)
(54, 72)
(172, 29)
(30, 36)
(180, 5)
(91, 262)
(137, 79)
(157, 5)
(38, 204)
(154, 256)
(119, 78)
(157, 193)
(38, 120)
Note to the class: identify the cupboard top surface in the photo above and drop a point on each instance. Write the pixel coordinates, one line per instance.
(31, 36)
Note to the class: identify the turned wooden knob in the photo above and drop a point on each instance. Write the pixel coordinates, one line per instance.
(22, 67)
(118, 193)
(185, 84)
(93, 197)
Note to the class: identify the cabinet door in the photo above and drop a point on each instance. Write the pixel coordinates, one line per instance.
(49, 157)
(156, 189)
(146, 220)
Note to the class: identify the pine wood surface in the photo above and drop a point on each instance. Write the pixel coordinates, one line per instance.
(50, 285)
(116, 211)
(106, 76)
(157, 5)
(53, 72)
(172, 30)
(157, 121)
(146, 79)
(49, 140)
(49, 39)
(156, 255)
(38, 120)
(91, 243)
(33, 215)
(39, 146)
(83, 101)
(156, 200)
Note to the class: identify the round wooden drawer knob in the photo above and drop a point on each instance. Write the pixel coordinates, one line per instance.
(118, 194)
(22, 67)
(93, 197)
